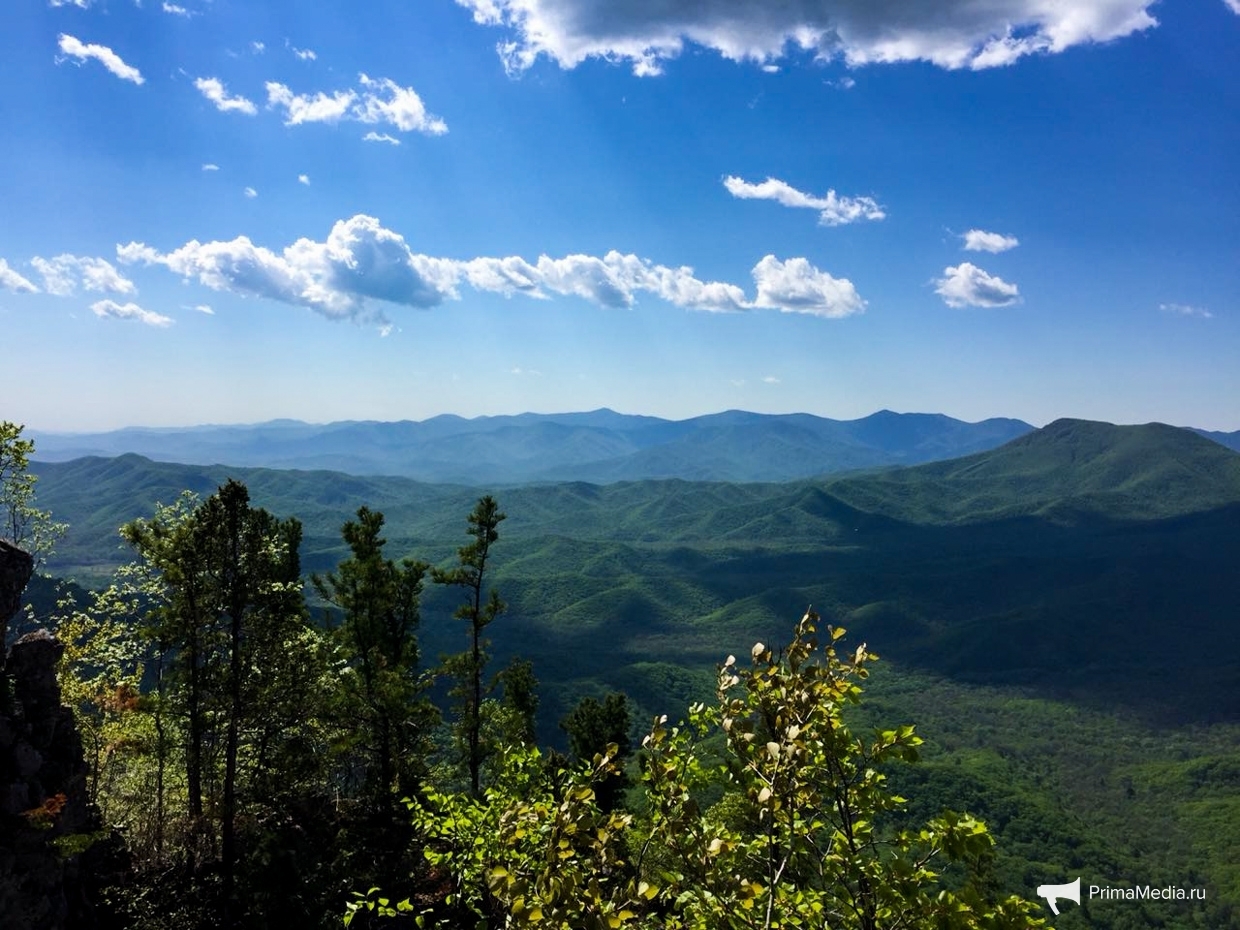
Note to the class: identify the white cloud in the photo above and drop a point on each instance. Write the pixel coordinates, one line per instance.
(380, 100)
(796, 286)
(11, 280)
(770, 379)
(833, 210)
(73, 48)
(948, 33)
(63, 274)
(966, 285)
(304, 54)
(204, 308)
(303, 179)
(210, 167)
(304, 108)
(213, 89)
(380, 137)
(176, 10)
(979, 240)
(80, 4)
(250, 192)
(532, 372)
(1233, 5)
(257, 48)
(361, 261)
(1186, 310)
(110, 309)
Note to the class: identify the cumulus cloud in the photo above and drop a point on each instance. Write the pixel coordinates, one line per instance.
(362, 262)
(110, 309)
(303, 179)
(379, 100)
(79, 51)
(210, 167)
(304, 54)
(176, 10)
(966, 285)
(948, 33)
(12, 281)
(833, 210)
(796, 286)
(979, 240)
(213, 89)
(63, 275)
(373, 136)
(1186, 310)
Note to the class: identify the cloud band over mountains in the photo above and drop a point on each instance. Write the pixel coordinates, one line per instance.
(948, 33)
(361, 261)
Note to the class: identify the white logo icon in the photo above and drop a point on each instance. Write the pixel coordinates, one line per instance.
(1053, 893)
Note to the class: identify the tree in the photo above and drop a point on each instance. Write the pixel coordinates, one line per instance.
(232, 621)
(382, 696)
(592, 727)
(479, 612)
(811, 837)
(22, 523)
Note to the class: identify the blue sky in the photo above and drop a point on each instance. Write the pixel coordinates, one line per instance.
(218, 211)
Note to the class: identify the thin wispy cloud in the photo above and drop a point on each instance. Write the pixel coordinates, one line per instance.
(1233, 5)
(770, 379)
(373, 136)
(966, 285)
(80, 4)
(949, 33)
(176, 10)
(10, 280)
(63, 275)
(250, 192)
(378, 101)
(303, 179)
(1186, 310)
(203, 308)
(304, 54)
(362, 262)
(833, 210)
(110, 309)
(257, 48)
(979, 240)
(213, 89)
(72, 48)
(210, 167)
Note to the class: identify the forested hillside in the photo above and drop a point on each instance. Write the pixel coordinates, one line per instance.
(1056, 614)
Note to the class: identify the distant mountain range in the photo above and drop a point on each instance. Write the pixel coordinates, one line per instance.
(601, 446)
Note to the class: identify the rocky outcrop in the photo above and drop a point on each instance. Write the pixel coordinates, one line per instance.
(46, 820)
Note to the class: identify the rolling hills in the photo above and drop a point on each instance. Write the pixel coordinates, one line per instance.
(601, 446)
(1080, 539)
(1058, 614)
